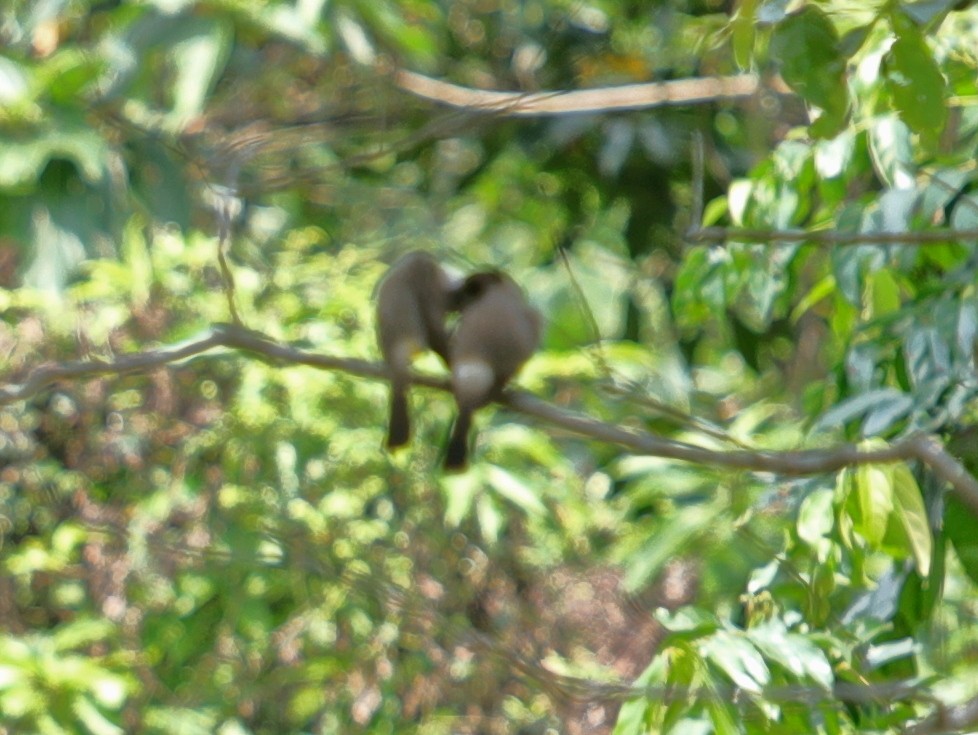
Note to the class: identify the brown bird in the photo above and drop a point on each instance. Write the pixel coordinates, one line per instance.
(497, 332)
(412, 301)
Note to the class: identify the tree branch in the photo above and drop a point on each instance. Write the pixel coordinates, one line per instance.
(602, 99)
(47, 375)
(957, 719)
(926, 449)
(828, 237)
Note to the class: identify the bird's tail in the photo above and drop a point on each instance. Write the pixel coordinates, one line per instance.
(399, 428)
(457, 454)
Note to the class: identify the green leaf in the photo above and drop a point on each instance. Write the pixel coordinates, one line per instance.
(815, 517)
(724, 716)
(738, 658)
(910, 511)
(491, 518)
(834, 157)
(638, 714)
(891, 149)
(807, 46)
(821, 290)
(959, 525)
(742, 27)
(854, 407)
(94, 721)
(82, 632)
(515, 490)
(24, 159)
(888, 410)
(174, 720)
(914, 80)
(884, 293)
(197, 61)
(701, 289)
(460, 492)
(874, 493)
(668, 541)
(685, 673)
(928, 11)
(795, 653)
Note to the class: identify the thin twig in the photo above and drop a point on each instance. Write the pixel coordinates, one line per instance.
(586, 311)
(634, 393)
(227, 208)
(696, 215)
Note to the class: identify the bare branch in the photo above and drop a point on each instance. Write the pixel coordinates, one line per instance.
(828, 237)
(47, 375)
(602, 99)
(957, 719)
(792, 463)
(930, 451)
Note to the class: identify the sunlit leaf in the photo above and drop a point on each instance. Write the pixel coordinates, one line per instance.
(879, 603)
(743, 24)
(724, 717)
(888, 410)
(815, 517)
(857, 406)
(892, 151)
(912, 514)
(81, 632)
(514, 490)
(491, 518)
(874, 491)
(796, 653)
(884, 653)
(23, 160)
(460, 493)
(738, 658)
(94, 721)
(198, 59)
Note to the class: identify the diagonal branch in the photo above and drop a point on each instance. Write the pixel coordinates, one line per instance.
(960, 718)
(926, 449)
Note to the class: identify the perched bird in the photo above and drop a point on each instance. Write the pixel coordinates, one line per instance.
(412, 301)
(497, 331)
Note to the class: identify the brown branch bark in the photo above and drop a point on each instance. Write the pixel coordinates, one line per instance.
(602, 99)
(828, 237)
(45, 376)
(962, 718)
(791, 463)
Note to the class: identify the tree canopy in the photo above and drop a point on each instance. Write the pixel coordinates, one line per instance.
(735, 490)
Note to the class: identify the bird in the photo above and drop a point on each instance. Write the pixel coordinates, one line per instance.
(496, 333)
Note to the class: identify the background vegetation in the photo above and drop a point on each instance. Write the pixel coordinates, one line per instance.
(743, 499)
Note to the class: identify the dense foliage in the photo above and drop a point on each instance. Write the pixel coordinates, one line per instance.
(219, 543)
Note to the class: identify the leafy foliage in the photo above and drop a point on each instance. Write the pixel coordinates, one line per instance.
(220, 545)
